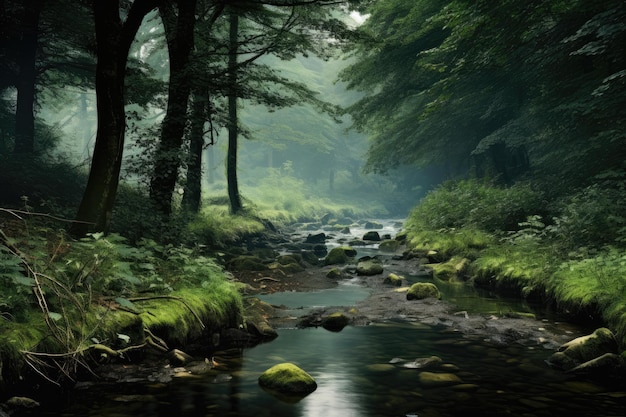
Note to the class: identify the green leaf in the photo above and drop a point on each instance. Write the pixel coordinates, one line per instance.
(127, 304)
(22, 280)
(55, 316)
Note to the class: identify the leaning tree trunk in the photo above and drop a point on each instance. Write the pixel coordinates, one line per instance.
(168, 157)
(231, 160)
(113, 39)
(24, 112)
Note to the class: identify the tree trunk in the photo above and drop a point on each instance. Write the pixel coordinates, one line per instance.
(193, 185)
(168, 157)
(113, 43)
(231, 160)
(24, 113)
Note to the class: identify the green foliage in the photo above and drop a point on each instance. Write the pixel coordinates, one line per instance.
(594, 282)
(475, 204)
(466, 242)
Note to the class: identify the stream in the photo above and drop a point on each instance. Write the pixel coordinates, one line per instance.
(369, 370)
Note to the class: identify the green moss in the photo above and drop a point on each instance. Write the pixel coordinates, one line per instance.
(247, 263)
(422, 290)
(288, 378)
(389, 245)
(340, 255)
(191, 313)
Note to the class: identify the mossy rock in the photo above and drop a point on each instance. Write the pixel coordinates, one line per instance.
(393, 279)
(369, 267)
(373, 225)
(310, 257)
(247, 263)
(389, 245)
(340, 255)
(287, 378)
(289, 259)
(335, 322)
(422, 290)
(444, 271)
(334, 273)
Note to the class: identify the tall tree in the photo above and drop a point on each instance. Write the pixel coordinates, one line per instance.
(233, 126)
(179, 31)
(26, 79)
(113, 37)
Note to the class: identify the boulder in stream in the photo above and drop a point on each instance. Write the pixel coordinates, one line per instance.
(340, 255)
(592, 356)
(288, 378)
(369, 266)
(422, 290)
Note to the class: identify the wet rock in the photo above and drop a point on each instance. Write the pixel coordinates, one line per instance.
(433, 379)
(310, 257)
(334, 273)
(247, 263)
(369, 266)
(583, 349)
(340, 255)
(335, 322)
(372, 236)
(389, 245)
(316, 238)
(16, 403)
(424, 363)
(373, 225)
(287, 378)
(422, 290)
(393, 279)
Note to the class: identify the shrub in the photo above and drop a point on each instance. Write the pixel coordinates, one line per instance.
(477, 204)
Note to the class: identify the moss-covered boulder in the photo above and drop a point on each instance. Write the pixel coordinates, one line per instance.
(335, 322)
(287, 378)
(389, 245)
(334, 273)
(393, 279)
(370, 266)
(583, 349)
(247, 263)
(310, 257)
(422, 290)
(340, 255)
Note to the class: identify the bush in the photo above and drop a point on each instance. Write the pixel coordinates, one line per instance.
(475, 204)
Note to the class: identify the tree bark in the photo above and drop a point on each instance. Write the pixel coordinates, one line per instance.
(168, 157)
(231, 159)
(113, 39)
(193, 184)
(26, 80)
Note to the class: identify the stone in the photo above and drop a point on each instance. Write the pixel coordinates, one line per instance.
(340, 255)
(334, 273)
(583, 349)
(372, 236)
(373, 225)
(422, 290)
(433, 379)
(316, 238)
(287, 378)
(389, 245)
(369, 267)
(393, 279)
(335, 322)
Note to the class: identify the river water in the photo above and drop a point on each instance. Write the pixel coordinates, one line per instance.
(366, 371)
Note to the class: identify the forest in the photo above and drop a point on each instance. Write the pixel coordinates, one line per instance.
(141, 140)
